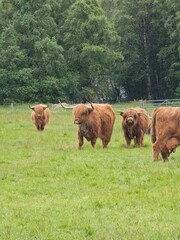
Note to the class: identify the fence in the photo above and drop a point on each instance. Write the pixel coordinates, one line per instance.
(149, 105)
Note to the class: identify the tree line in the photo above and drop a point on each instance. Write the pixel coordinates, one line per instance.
(89, 50)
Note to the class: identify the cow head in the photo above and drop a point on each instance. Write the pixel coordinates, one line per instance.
(39, 111)
(130, 116)
(81, 113)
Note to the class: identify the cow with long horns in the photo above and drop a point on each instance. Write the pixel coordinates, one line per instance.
(40, 116)
(134, 125)
(94, 121)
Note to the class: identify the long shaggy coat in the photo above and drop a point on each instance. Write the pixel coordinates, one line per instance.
(165, 132)
(134, 125)
(94, 121)
(40, 116)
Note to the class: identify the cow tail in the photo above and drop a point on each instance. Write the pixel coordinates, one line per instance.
(153, 127)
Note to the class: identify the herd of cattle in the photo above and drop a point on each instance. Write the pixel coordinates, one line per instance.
(97, 121)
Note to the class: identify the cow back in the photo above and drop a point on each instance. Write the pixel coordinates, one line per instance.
(105, 112)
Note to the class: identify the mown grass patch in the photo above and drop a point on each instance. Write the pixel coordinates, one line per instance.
(51, 190)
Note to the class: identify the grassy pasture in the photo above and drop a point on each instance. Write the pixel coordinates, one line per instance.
(51, 190)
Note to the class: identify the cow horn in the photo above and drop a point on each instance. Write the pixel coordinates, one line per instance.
(120, 112)
(66, 106)
(91, 108)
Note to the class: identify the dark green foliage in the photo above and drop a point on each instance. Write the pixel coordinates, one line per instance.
(88, 50)
(177, 92)
(89, 41)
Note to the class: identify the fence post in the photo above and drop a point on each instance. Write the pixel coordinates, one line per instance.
(12, 107)
(141, 103)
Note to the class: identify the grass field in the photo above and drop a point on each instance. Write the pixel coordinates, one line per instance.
(51, 190)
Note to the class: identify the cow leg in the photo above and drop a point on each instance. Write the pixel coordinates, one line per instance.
(142, 140)
(105, 143)
(164, 155)
(38, 128)
(156, 152)
(93, 142)
(137, 142)
(128, 142)
(80, 139)
(139, 139)
(160, 146)
(164, 152)
(127, 138)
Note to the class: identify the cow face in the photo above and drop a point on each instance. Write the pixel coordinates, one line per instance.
(130, 117)
(81, 113)
(39, 111)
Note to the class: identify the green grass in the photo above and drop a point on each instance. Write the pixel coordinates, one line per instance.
(52, 190)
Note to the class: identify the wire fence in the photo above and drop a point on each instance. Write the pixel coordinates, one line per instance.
(149, 105)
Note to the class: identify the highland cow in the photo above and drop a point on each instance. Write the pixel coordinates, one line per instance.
(40, 116)
(165, 133)
(134, 125)
(94, 121)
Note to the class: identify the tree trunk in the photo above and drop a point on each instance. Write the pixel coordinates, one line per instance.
(146, 58)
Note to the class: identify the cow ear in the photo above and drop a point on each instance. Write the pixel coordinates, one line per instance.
(32, 107)
(121, 113)
(44, 108)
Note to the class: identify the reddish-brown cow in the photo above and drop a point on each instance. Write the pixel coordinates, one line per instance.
(40, 116)
(134, 125)
(94, 121)
(165, 133)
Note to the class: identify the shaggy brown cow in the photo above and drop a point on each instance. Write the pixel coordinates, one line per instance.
(94, 120)
(165, 133)
(134, 125)
(40, 116)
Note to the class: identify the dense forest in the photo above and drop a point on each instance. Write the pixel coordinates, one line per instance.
(89, 50)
